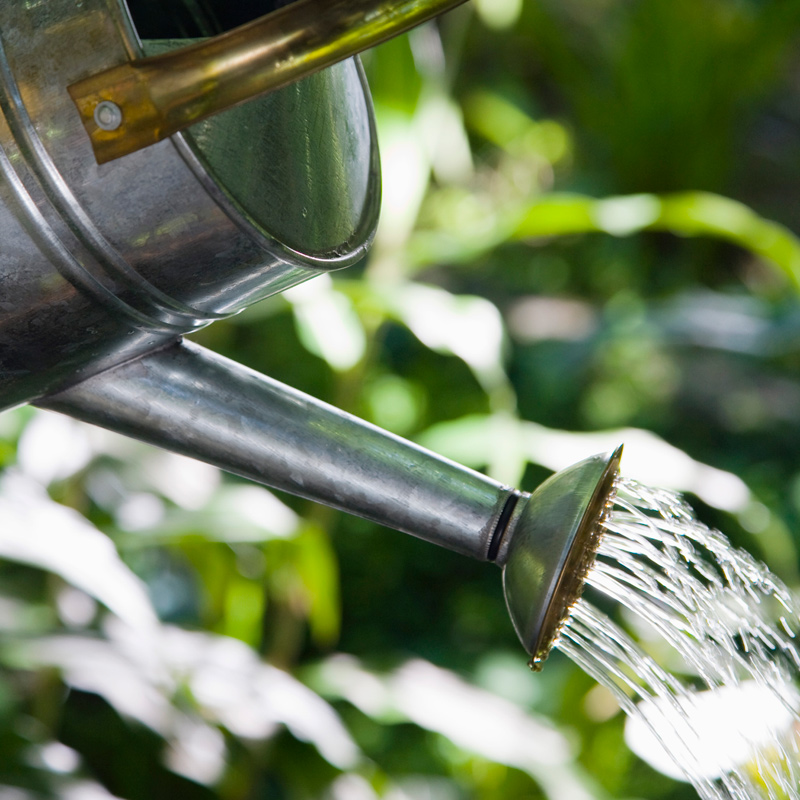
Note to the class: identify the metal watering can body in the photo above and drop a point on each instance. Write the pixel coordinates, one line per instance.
(104, 267)
(102, 263)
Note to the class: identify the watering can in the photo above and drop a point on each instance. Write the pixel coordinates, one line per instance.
(142, 199)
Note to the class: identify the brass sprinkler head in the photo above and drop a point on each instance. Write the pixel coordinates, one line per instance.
(551, 547)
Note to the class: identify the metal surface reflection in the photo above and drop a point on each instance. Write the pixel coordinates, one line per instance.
(103, 264)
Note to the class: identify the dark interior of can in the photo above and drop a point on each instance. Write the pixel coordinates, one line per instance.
(191, 19)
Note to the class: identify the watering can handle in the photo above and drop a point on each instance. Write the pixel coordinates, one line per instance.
(141, 102)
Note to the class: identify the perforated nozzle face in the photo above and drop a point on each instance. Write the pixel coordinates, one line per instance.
(552, 546)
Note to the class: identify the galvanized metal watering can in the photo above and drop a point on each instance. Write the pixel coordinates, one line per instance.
(104, 266)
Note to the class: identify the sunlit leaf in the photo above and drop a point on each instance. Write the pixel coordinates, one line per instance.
(317, 568)
(140, 674)
(724, 728)
(647, 458)
(34, 530)
(465, 326)
(53, 447)
(235, 513)
(467, 716)
(327, 324)
(506, 125)
(685, 214)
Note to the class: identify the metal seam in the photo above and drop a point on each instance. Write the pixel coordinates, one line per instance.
(61, 258)
(161, 311)
(502, 524)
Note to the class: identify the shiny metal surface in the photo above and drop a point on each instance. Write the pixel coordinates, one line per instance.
(194, 402)
(549, 547)
(299, 162)
(164, 94)
(101, 264)
(104, 267)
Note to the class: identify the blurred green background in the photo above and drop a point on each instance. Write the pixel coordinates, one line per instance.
(586, 238)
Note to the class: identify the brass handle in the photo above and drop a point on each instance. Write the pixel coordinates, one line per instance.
(142, 102)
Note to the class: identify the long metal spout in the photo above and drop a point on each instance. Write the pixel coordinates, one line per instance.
(197, 403)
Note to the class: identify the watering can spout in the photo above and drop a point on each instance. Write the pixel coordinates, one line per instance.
(194, 402)
(106, 268)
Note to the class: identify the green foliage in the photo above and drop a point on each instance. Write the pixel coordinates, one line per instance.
(586, 239)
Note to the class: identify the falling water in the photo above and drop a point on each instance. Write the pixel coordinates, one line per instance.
(714, 683)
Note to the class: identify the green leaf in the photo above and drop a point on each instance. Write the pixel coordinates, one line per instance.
(327, 323)
(36, 531)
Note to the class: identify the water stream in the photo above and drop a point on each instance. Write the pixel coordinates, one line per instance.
(710, 679)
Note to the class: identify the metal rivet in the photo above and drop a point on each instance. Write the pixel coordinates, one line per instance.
(107, 115)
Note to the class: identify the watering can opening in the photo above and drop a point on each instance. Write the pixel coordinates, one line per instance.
(300, 164)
